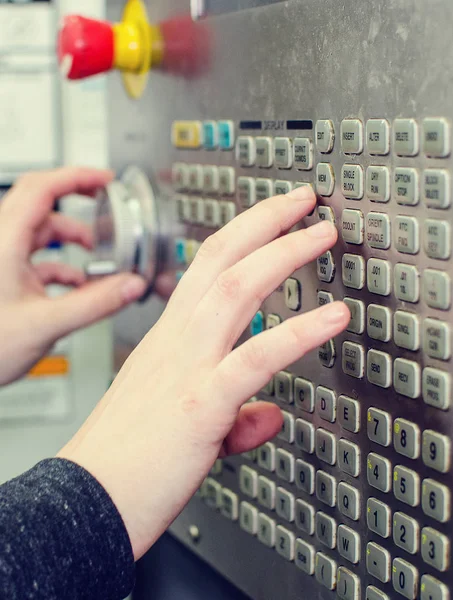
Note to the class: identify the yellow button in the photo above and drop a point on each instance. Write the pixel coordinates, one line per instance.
(50, 366)
(187, 134)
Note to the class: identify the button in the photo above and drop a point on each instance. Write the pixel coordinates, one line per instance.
(436, 501)
(305, 517)
(285, 465)
(379, 276)
(436, 138)
(326, 488)
(435, 549)
(326, 404)
(284, 503)
(266, 530)
(348, 501)
(180, 176)
(264, 152)
(227, 212)
(196, 178)
(437, 236)
(407, 282)
(227, 181)
(406, 485)
(305, 477)
(327, 354)
(246, 191)
(266, 456)
(436, 188)
(303, 154)
(283, 387)
(379, 427)
(281, 187)
(436, 388)
(406, 328)
(299, 184)
(305, 557)
(406, 186)
(378, 136)
(283, 153)
(348, 585)
(245, 151)
(187, 134)
(378, 230)
(353, 360)
(325, 136)
(324, 298)
(217, 468)
(357, 310)
(351, 134)
(349, 414)
(431, 589)
(257, 324)
(212, 493)
(180, 251)
(248, 518)
(325, 446)
(352, 181)
(406, 378)
(325, 571)
(379, 472)
(379, 322)
(304, 394)
(272, 321)
(182, 209)
(436, 450)
(210, 135)
(229, 505)
(352, 226)
(407, 236)
(406, 438)
(436, 339)
(226, 135)
(266, 493)
(285, 542)
(379, 368)
(378, 562)
(325, 179)
(378, 517)
(196, 211)
(348, 544)
(405, 137)
(406, 532)
(250, 455)
(326, 530)
(264, 189)
(353, 271)
(248, 481)
(293, 294)
(436, 289)
(287, 431)
(326, 267)
(211, 213)
(372, 593)
(405, 578)
(349, 457)
(378, 184)
(325, 213)
(268, 389)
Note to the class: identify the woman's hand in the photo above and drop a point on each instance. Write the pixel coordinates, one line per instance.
(30, 322)
(178, 402)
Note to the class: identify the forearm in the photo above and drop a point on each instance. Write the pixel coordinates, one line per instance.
(62, 537)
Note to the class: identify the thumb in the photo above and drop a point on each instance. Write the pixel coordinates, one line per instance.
(93, 302)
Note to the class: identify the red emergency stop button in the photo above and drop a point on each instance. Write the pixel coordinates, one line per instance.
(86, 47)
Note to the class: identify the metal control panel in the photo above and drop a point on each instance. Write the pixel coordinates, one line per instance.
(353, 498)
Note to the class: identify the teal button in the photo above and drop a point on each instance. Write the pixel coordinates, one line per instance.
(226, 134)
(179, 276)
(257, 324)
(210, 135)
(180, 249)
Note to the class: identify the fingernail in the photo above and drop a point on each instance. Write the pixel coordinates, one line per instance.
(336, 313)
(133, 289)
(321, 230)
(304, 192)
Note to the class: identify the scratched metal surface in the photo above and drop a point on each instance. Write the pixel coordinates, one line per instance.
(303, 60)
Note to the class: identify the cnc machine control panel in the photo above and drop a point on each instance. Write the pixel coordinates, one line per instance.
(352, 500)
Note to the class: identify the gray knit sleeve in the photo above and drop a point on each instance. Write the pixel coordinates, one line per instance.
(61, 537)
